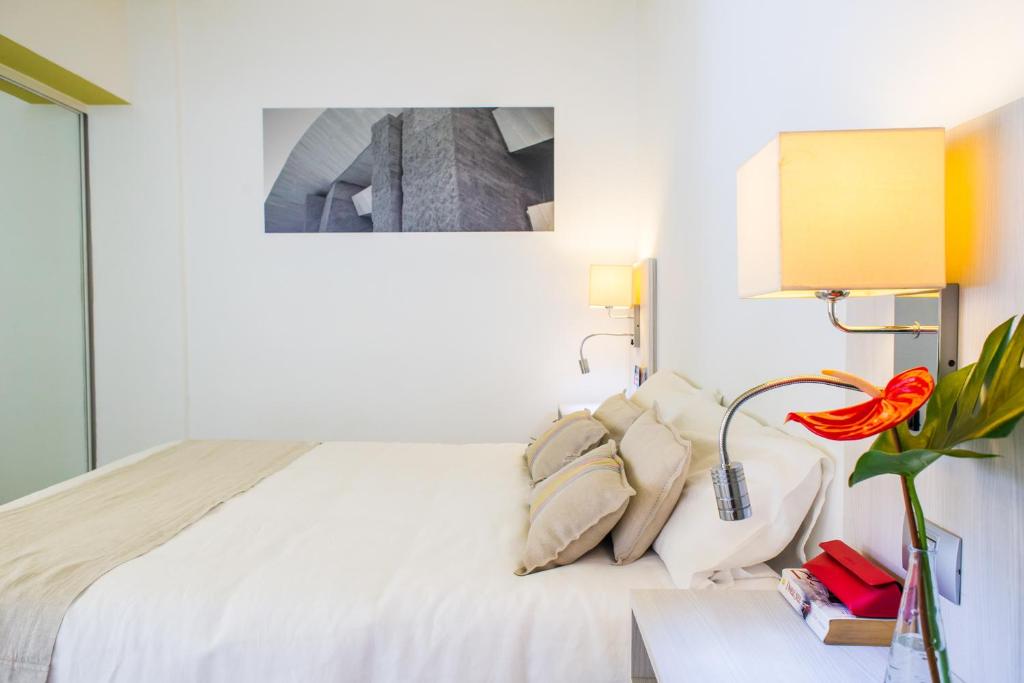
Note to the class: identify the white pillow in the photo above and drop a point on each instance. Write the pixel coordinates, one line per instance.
(786, 478)
(698, 418)
(664, 385)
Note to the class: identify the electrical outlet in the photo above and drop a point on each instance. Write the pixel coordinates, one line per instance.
(948, 553)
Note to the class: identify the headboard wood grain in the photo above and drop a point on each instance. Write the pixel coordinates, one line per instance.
(980, 500)
(645, 297)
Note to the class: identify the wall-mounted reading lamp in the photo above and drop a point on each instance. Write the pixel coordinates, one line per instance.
(611, 288)
(835, 214)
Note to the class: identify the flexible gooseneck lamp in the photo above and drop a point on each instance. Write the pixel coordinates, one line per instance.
(837, 214)
(728, 479)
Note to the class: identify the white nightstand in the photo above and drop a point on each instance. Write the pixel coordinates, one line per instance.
(723, 635)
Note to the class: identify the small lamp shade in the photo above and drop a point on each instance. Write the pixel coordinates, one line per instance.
(611, 286)
(859, 210)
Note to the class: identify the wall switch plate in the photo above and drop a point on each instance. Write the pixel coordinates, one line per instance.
(948, 552)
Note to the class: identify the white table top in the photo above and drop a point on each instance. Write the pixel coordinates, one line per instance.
(712, 635)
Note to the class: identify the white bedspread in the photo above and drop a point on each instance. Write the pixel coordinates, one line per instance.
(359, 562)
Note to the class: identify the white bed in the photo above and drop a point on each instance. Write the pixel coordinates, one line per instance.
(359, 562)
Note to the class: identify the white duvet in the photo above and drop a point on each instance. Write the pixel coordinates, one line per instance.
(359, 562)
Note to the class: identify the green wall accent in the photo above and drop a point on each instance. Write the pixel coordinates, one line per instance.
(22, 93)
(40, 68)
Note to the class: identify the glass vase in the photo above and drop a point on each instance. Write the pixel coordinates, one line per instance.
(908, 654)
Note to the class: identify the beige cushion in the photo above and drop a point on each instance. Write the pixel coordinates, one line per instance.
(574, 509)
(617, 413)
(563, 442)
(657, 460)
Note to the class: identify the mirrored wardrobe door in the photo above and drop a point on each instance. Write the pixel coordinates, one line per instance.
(45, 412)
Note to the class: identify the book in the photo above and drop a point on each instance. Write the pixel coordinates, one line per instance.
(828, 618)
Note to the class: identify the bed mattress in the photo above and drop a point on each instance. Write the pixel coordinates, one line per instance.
(359, 562)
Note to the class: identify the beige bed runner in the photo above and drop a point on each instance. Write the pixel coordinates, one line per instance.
(52, 549)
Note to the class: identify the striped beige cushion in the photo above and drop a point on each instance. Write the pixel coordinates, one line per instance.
(563, 442)
(617, 413)
(657, 461)
(574, 509)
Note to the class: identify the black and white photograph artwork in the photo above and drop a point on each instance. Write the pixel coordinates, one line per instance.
(459, 169)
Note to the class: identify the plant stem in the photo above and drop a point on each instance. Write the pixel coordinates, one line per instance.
(915, 522)
(938, 663)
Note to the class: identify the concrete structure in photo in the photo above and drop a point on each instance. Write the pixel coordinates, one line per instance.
(419, 170)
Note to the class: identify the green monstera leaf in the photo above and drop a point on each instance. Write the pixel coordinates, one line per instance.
(983, 400)
(908, 463)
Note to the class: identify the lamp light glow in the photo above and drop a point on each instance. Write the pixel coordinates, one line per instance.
(861, 211)
(611, 286)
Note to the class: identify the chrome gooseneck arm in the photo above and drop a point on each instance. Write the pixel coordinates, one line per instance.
(584, 363)
(831, 296)
(728, 479)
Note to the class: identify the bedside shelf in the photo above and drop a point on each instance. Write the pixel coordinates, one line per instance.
(723, 635)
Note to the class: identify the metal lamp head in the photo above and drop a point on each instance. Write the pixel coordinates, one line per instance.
(731, 492)
(728, 478)
(584, 366)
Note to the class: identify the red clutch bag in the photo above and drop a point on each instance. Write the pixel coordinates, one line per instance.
(864, 587)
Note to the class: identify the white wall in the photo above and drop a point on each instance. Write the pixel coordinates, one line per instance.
(90, 38)
(137, 248)
(716, 91)
(403, 336)
(725, 77)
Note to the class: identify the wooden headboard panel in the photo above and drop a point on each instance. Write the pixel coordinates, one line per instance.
(645, 306)
(981, 501)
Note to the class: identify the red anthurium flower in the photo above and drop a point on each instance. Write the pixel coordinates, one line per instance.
(902, 396)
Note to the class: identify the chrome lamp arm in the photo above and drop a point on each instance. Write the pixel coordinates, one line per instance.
(631, 316)
(728, 479)
(831, 296)
(584, 363)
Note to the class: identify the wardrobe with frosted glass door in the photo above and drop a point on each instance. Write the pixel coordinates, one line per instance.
(46, 424)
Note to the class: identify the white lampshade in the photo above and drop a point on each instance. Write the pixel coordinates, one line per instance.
(858, 210)
(611, 286)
